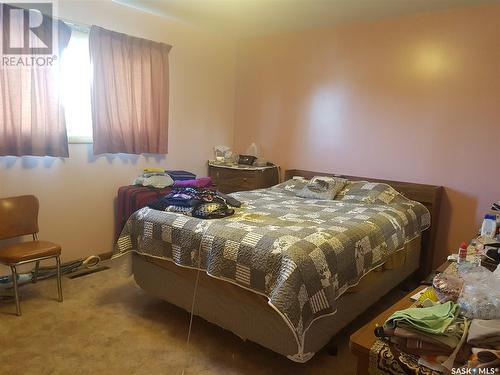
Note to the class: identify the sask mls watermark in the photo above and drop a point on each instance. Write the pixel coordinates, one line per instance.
(475, 371)
(27, 34)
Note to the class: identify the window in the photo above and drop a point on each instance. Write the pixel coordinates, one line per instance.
(76, 74)
(141, 124)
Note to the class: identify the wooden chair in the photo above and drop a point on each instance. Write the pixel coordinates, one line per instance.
(19, 217)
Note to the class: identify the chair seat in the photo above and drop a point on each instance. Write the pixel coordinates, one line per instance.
(23, 251)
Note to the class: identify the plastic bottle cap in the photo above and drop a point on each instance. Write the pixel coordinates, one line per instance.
(463, 245)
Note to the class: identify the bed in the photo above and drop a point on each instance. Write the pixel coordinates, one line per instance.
(287, 272)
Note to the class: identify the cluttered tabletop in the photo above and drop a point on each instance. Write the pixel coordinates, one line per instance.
(449, 326)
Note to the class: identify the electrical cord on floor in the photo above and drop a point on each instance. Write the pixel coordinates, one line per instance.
(189, 358)
(46, 272)
(92, 261)
(69, 267)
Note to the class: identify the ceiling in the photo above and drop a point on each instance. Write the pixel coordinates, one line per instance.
(245, 18)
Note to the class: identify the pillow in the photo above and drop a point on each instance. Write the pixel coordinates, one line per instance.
(321, 187)
(369, 192)
(300, 178)
(292, 185)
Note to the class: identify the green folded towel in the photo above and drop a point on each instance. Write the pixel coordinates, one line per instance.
(434, 319)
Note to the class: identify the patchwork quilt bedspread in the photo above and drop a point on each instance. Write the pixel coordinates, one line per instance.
(300, 253)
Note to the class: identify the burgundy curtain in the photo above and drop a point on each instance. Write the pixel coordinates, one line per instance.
(31, 114)
(129, 93)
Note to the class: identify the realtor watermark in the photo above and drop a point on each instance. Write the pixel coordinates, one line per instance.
(475, 371)
(27, 34)
(28, 61)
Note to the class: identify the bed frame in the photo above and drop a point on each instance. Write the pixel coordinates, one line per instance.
(428, 195)
(248, 314)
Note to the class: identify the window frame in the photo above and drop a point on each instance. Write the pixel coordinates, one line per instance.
(78, 139)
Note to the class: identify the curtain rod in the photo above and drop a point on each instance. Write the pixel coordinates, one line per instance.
(78, 26)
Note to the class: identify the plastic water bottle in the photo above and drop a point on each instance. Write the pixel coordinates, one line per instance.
(489, 227)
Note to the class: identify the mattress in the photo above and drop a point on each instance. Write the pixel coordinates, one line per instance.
(248, 314)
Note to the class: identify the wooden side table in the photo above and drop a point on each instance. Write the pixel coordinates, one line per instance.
(363, 339)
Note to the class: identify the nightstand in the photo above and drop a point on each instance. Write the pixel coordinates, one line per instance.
(364, 338)
(230, 178)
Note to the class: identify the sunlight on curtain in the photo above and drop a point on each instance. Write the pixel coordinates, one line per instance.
(129, 95)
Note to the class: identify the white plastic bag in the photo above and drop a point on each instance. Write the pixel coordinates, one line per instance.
(480, 297)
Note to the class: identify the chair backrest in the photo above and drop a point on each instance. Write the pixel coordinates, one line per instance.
(18, 216)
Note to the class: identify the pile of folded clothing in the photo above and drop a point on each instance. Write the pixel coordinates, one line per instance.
(459, 327)
(434, 333)
(196, 198)
(484, 340)
(202, 182)
(160, 178)
(181, 175)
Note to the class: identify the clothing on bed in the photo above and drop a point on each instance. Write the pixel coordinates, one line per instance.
(182, 197)
(180, 209)
(300, 253)
(197, 202)
(161, 204)
(212, 210)
(232, 201)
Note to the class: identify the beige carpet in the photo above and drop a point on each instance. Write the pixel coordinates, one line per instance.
(108, 325)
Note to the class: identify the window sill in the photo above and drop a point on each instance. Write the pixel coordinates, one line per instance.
(73, 139)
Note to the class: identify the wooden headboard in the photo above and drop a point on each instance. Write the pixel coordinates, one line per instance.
(428, 195)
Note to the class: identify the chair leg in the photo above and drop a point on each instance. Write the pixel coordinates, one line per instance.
(59, 284)
(35, 276)
(16, 293)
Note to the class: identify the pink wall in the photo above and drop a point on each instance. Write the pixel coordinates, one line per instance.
(414, 98)
(77, 194)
